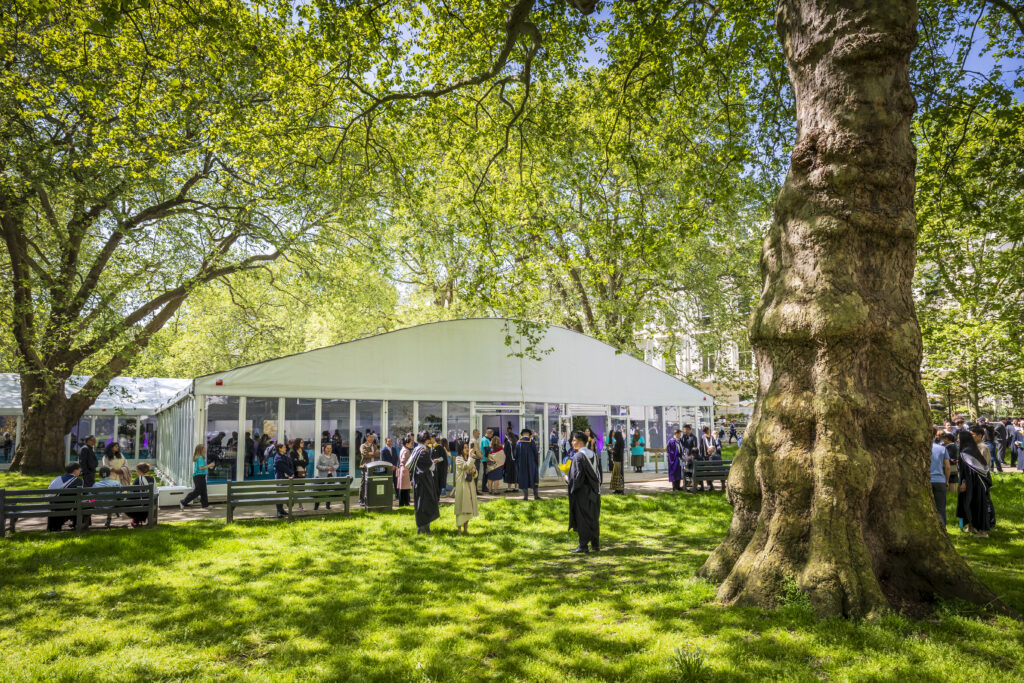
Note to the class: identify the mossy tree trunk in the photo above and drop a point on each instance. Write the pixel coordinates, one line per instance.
(830, 488)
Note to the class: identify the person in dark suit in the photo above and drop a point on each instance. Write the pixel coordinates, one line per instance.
(87, 459)
(284, 468)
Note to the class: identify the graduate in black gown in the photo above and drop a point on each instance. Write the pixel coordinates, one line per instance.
(584, 482)
(973, 503)
(527, 459)
(424, 484)
(439, 453)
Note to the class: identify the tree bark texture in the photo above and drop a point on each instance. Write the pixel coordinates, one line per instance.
(48, 415)
(830, 489)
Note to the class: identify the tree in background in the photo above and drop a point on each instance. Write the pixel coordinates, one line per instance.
(149, 148)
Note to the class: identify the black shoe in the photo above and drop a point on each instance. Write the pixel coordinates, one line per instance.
(580, 549)
(328, 506)
(595, 546)
(316, 506)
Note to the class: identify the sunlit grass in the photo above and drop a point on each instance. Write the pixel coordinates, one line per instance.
(364, 599)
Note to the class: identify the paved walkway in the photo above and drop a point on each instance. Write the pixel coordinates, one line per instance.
(648, 483)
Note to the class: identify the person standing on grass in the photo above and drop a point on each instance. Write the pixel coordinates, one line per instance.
(466, 504)
(199, 470)
(404, 480)
(973, 504)
(326, 467)
(87, 459)
(439, 454)
(485, 451)
(389, 454)
(300, 462)
(618, 482)
(675, 456)
(584, 482)
(527, 464)
(424, 484)
(940, 475)
(636, 450)
(511, 470)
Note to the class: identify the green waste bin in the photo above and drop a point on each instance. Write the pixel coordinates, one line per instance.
(380, 486)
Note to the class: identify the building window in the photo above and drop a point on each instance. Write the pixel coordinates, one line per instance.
(707, 363)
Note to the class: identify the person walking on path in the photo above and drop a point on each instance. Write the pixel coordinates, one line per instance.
(466, 503)
(527, 464)
(584, 483)
(199, 470)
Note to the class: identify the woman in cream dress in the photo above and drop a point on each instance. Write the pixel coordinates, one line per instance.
(466, 506)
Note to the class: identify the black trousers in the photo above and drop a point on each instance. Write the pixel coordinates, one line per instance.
(403, 497)
(199, 481)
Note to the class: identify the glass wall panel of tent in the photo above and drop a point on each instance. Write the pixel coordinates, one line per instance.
(430, 416)
(147, 437)
(335, 424)
(400, 420)
(261, 421)
(655, 427)
(10, 428)
(369, 418)
(103, 429)
(299, 422)
(221, 435)
(457, 425)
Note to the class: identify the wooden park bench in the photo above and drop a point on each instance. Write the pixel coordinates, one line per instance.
(79, 504)
(286, 492)
(709, 471)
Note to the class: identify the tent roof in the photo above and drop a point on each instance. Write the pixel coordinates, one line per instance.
(461, 360)
(129, 395)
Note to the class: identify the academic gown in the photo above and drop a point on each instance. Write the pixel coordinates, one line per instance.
(526, 463)
(584, 496)
(676, 455)
(441, 468)
(510, 475)
(974, 504)
(424, 487)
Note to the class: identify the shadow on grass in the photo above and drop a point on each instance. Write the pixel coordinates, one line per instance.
(363, 598)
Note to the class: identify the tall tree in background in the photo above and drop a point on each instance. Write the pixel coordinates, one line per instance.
(822, 493)
(141, 159)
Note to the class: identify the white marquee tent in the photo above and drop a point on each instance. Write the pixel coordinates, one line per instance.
(128, 400)
(450, 377)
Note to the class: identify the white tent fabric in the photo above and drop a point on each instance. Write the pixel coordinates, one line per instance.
(125, 395)
(461, 360)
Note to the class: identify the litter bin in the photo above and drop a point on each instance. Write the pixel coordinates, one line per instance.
(380, 488)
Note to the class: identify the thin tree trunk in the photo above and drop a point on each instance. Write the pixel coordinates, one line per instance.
(830, 489)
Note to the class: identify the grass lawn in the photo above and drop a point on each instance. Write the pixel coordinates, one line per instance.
(364, 599)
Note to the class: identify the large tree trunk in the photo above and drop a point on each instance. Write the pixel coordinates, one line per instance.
(48, 417)
(830, 489)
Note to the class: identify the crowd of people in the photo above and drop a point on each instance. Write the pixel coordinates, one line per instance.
(963, 459)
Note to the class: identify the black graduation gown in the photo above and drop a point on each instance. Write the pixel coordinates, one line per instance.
(584, 498)
(424, 487)
(526, 463)
(441, 468)
(511, 473)
(973, 504)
